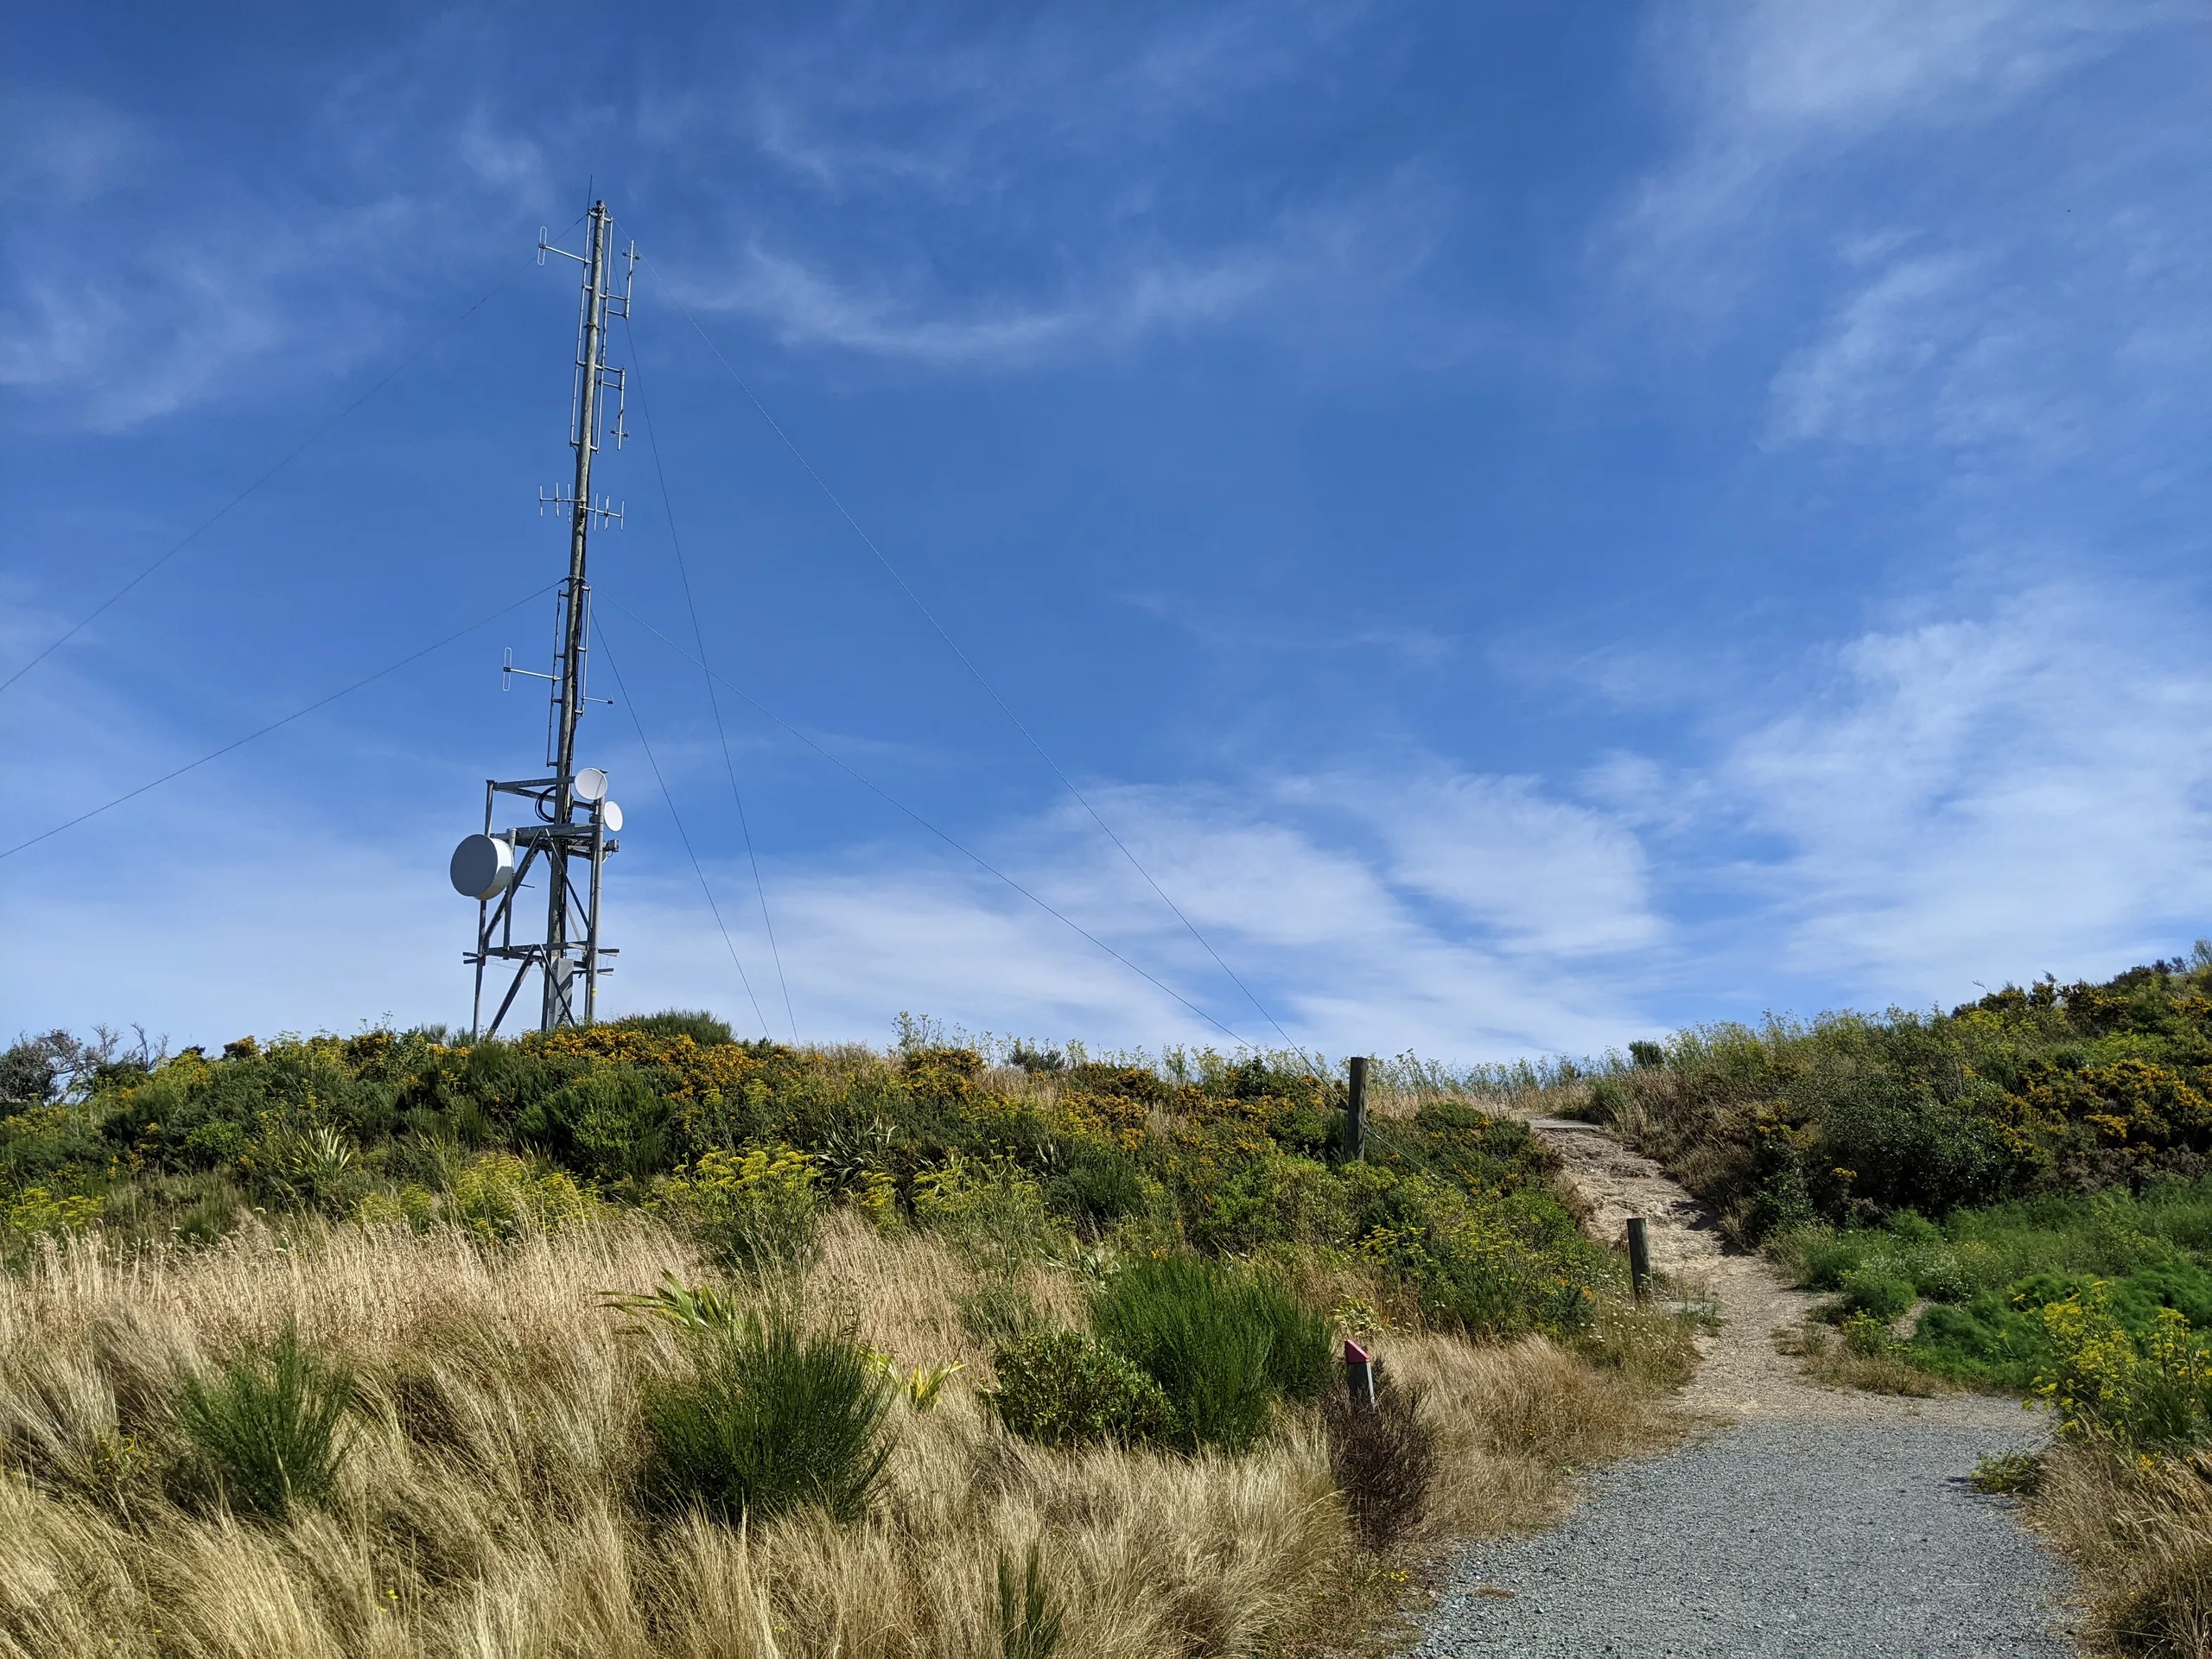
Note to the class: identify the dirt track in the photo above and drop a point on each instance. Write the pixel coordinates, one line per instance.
(1800, 1520)
(1743, 1377)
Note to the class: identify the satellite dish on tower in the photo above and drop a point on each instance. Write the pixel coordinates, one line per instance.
(589, 784)
(611, 815)
(483, 867)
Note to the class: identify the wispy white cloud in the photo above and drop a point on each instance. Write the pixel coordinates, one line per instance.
(167, 321)
(1034, 188)
(1857, 381)
(147, 278)
(970, 113)
(1985, 793)
(1771, 88)
(66, 148)
(1467, 917)
(1913, 209)
(1970, 797)
(1313, 263)
(1553, 878)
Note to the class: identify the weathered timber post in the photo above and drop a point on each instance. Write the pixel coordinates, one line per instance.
(1359, 1374)
(1639, 1258)
(1355, 1110)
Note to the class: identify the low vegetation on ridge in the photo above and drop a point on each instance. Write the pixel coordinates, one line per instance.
(636, 1339)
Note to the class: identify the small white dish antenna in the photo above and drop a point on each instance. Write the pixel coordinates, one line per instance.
(589, 784)
(611, 815)
(483, 867)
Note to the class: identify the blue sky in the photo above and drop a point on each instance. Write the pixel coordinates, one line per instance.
(1535, 525)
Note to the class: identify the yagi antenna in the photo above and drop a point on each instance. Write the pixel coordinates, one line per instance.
(573, 821)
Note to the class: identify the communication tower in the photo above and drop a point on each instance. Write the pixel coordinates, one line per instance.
(572, 822)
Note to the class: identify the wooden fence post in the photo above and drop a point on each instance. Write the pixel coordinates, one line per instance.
(1355, 1110)
(1359, 1374)
(1639, 1259)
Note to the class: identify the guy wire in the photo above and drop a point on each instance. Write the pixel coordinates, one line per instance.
(217, 754)
(869, 784)
(630, 702)
(713, 698)
(290, 455)
(989, 690)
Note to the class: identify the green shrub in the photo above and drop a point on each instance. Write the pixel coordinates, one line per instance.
(701, 1027)
(2147, 1389)
(34, 1210)
(1874, 1291)
(2013, 1474)
(772, 1417)
(1301, 1357)
(1221, 1343)
(755, 1210)
(1061, 1387)
(609, 1122)
(1852, 1118)
(269, 1425)
(1992, 1271)
(1265, 1200)
(499, 1195)
(748, 1143)
(1864, 1334)
(1100, 1187)
(990, 1211)
(1819, 1257)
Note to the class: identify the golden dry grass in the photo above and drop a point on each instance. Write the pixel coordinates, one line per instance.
(2139, 1531)
(483, 1509)
(1831, 1360)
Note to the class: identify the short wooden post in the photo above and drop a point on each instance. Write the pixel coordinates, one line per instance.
(1359, 1374)
(1639, 1258)
(1355, 1110)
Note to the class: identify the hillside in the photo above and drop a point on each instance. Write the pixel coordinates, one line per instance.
(636, 1340)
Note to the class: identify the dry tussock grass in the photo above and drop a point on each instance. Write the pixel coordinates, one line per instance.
(1831, 1360)
(483, 1510)
(2141, 1531)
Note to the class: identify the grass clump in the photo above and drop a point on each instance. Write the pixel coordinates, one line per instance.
(1859, 1354)
(489, 1219)
(1064, 1389)
(1222, 1343)
(771, 1417)
(539, 1475)
(1029, 1619)
(2137, 1527)
(2008, 1474)
(269, 1426)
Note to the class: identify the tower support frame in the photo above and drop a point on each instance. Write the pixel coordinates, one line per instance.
(569, 834)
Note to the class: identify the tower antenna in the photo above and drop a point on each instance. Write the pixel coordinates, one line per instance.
(575, 822)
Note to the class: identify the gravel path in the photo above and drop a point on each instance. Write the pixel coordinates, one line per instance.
(1802, 1521)
(1771, 1538)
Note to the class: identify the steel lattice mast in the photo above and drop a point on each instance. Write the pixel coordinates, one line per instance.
(576, 820)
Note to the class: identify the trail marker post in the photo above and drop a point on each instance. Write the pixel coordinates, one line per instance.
(1359, 1374)
(1355, 1110)
(1639, 1259)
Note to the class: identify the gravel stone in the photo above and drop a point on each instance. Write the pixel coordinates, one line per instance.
(1773, 1537)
